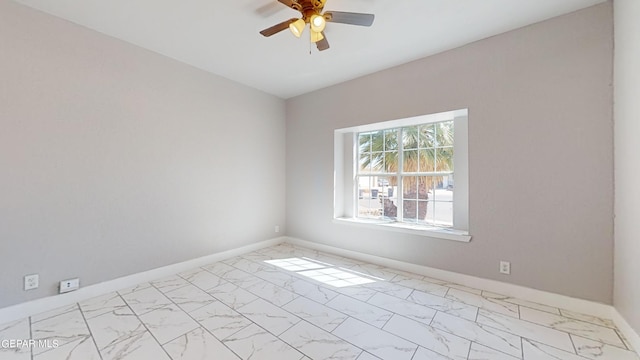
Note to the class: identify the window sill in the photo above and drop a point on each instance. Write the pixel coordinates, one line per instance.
(433, 232)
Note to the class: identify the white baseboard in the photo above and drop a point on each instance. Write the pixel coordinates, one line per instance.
(538, 296)
(629, 333)
(34, 307)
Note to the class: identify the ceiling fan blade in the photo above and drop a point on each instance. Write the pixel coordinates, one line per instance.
(349, 18)
(277, 28)
(269, 9)
(323, 44)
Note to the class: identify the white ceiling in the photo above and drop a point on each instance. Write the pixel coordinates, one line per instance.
(222, 36)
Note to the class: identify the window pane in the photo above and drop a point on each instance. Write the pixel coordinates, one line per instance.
(364, 141)
(443, 213)
(388, 197)
(427, 136)
(415, 195)
(377, 141)
(369, 205)
(415, 210)
(365, 163)
(410, 187)
(391, 161)
(409, 210)
(410, 137)
(425, 187)
(448, 182)
(391, 139)
(410, 161)
(377, 162)
(417, 187)
(425, 211)
(445, 133)
(427, 160)
(444, 157)
(384, 182)
(442, 193)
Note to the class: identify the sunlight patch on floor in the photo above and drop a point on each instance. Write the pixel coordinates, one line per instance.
(322, 272)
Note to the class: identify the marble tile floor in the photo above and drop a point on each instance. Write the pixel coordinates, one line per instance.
(287, 302)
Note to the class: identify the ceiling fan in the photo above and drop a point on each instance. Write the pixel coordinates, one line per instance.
(311, 11)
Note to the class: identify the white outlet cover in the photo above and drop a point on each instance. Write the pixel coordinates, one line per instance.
(31, 282)
(69, 285)
(505, 267)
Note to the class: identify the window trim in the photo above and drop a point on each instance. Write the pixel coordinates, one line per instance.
(345, 176)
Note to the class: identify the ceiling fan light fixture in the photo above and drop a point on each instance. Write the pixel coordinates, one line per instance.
(318, 23)
(316, 36)
(311, 11)
(297, 27)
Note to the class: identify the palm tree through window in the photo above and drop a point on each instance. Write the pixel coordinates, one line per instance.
(406, 174)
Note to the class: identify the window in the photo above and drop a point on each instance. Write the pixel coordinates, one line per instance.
(406, 174)
(401, 173)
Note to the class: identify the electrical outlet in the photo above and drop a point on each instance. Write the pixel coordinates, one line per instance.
(31, 282)
(277, 228)
(69, 285)
(505, 267)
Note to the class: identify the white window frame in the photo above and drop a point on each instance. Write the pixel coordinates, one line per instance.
(346, 186)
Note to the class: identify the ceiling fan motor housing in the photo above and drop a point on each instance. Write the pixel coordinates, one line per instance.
(308, 7)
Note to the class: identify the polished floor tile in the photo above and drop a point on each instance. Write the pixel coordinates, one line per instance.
(139, 347)
(269, 316)
(426, 354)
(170, 283)
(109, 303)
(220, 320)
(198, 345)
(202, 279)
(145, 300)
(526, 329)
(483, 302)
(381, 343)
(168, 323)
(319, 344)
(481, 352)
(256, 343)
(80, 349)
(63, 329)
(360, 310)
(441, 304)
(190, 297)
(596, 350)
(576, 327)
(442, 342)
(232, 295)
(110, 328)
(422, 285)
(403, 307)
(13, 331)
(316, 313)
(290, 303)
(481, 334)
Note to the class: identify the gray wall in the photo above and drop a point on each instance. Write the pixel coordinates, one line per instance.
(627, 150)
(115, 160)
(541, 154)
